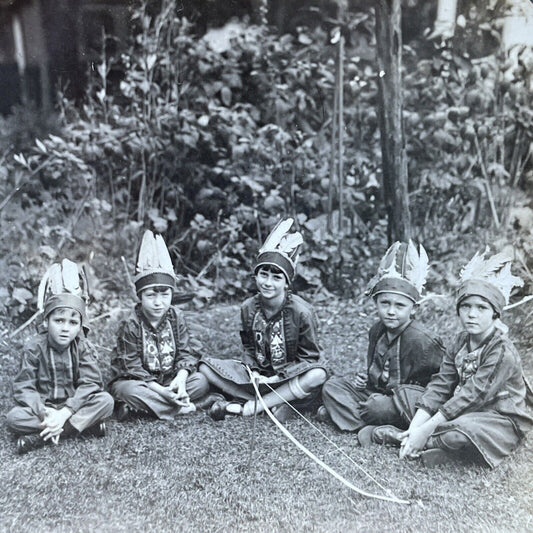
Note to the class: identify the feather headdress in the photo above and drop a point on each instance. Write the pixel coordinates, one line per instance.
(154, 265)
(281, 249)
(402, 270)
(490, 278)
(64, 285)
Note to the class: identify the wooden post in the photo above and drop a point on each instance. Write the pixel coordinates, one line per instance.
(341, 133)
(333, 154)
(389, 59)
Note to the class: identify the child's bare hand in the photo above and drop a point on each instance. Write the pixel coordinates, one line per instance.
(176, 399)
(52, 424)
(51, 434)
(182, 395)
(413, 443)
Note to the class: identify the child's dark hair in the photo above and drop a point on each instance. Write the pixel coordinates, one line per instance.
(271, 268)
(495, 314)
(157, 288)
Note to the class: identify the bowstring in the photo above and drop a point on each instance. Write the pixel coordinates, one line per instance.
(360, 468)
(390, 496)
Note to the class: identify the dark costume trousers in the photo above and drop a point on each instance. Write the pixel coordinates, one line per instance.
(351, 408)
(138, 396)
(98, 407)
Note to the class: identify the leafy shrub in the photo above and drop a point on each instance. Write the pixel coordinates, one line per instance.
(210, 148)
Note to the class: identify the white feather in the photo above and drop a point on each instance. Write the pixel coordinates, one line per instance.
(289, 243)
(417, 266)
(495, 270)
(146, 252)
(505, 281)
(280, 230)
(43, 289)
(55, 279)
(496, 263)
(165, 262)
(71, 277)
(474, 266)
(387, 265)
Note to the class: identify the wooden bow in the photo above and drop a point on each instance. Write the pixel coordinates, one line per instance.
(317, 460)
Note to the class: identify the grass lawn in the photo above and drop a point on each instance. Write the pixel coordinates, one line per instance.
(194, 475)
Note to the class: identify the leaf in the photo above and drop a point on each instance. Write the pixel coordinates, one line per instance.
(41, 146)
(225, 95)
(150, 61)
(160, 223)
(203, 121)
(102, 70)
(22, 295)
(304, 39)
(19, 158)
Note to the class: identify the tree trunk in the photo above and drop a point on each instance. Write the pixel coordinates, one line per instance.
(394, 163)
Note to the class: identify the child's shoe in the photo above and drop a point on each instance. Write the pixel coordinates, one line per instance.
(438, 457)
(379, 435)
(283, 412)
(364, 436)
(123, 412)
(387, 435)
(322, 415)
(207, 401)
(96, 430)
(218, 410)
(26, 443)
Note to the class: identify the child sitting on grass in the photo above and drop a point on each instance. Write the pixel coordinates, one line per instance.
(279, 335)
(153, 366)
(402, 354)
(475, 407)
(59, 390)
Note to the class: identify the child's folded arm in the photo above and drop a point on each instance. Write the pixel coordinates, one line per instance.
(308, 345)
(426, 354)
(441, 387)
(483, 387)
(25, 383)
(247, 355)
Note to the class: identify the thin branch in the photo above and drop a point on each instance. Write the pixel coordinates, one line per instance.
(6, 200)
(522, 301)
(25, 325)
(487, 183)
(128, 277)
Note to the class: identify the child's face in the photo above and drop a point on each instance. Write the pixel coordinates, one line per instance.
(64, 324)
(155, 302)
(271, 285)
(476, 315)
(394, 310)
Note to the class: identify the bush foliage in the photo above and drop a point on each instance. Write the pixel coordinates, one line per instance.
(211, 147)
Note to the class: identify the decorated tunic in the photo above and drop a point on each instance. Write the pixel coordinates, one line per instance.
(489, 378)
(157, 354)
(285, 344)
(47, 376)
(411, 357)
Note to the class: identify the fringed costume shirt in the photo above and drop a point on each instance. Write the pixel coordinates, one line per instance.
(153, 354)
(411, 357)
(286, 343)
(48, 376)
(489, 378)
